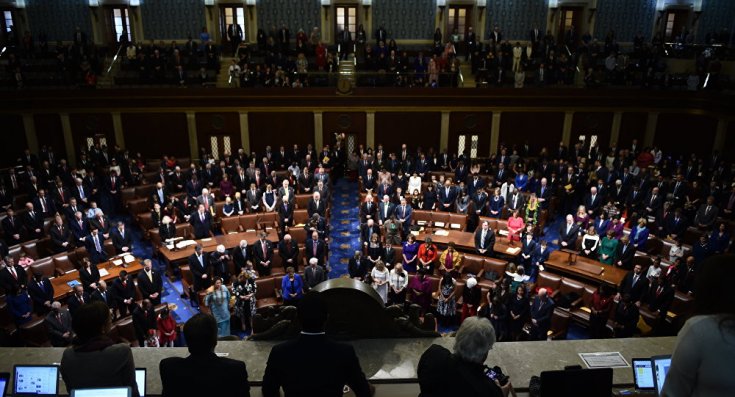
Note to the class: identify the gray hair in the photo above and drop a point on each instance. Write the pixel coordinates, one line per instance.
(474, 339)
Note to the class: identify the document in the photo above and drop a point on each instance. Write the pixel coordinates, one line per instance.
(604, 360)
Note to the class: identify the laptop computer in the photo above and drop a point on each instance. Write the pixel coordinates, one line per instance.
(140, 377)
(36, 380)
(4, 380)
(660, 366)
(593, 382)
(643, 376)
(103, 392)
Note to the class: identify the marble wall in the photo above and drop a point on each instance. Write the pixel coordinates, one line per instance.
(405, 19)
(626, 17)
(58, 18)
(515, 18)
(172, 19)
(303, 14)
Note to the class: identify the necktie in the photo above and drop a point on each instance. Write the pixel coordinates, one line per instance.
(653, 198)
(635, 279)
(12, 272)
(97, 244)
(81, 298)
(707, 210)
(263, 246)
(314, 249)
(61, 194)
(482, 240)
(81, 192)
(659, 290)
(403, 208)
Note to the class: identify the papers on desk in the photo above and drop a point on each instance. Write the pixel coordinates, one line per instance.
(442, 233)
(250, 230)
(185, 243)
(299, 225)
(128, 258)
(169, 247)
(512, 250)
(204, 240)
(455, 226)
(439, 224)
(421, 223)
(104, 272)
(503, 232)
(604, 360)
(73, 283)
(415, 233)
(117, 262)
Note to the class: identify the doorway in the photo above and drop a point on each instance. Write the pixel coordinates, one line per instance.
(675, 23)
(570, 26)
(231, 15)
(118, 25)
(345, 21)
(459, 19)
(7, 28)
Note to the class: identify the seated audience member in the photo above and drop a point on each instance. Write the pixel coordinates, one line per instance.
(299, 366)
(94, 360)
(473, 342)
(541, 310)
(58, 324)
(700, 366)
(225, 376)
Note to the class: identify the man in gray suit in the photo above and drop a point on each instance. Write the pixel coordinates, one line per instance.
(314, 274)
(706, 214)
(58, 322)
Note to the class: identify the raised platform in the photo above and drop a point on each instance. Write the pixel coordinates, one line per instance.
(392, 360)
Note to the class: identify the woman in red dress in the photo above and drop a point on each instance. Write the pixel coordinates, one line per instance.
(166, 328)
(515, 226)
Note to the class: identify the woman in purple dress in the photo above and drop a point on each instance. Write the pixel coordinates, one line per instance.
(410, 251)
(420, 288)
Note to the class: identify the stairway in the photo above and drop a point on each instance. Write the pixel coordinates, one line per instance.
(468, 79)
(345, 226)
(224, 73)
(107, 80)
(347, 69)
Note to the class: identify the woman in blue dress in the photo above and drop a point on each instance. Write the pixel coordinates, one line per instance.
(410, 253)
(496, 204)
(292, 287)
(218, 301)
(269, 198)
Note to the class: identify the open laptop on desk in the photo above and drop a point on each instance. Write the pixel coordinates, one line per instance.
(4, 380)
(103, 392)
(35, 380)
(661, 366)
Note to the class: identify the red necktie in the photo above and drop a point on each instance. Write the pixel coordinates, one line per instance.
(12, 271)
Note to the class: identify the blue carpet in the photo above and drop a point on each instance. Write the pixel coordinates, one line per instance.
(345, 226)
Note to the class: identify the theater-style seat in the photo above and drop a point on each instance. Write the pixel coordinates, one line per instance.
(64, 264)
(559, 324)
(34, 333)
(127, 194)
(145, 221)
(300, 217)
(126, 331)
(298, 234)
(277, 265)
(457, 222)
(472, 264)
(138, 206)
(267, 294)
(248, 222)
(6, 319)
(145, 191)
(421, 217)
(493, 265)
(302, 200)
(582, 312)
(549, 281)
(569, 287)
(31, 249)
(45, 266)
(231, 225)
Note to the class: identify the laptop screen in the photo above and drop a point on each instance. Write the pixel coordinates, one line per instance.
(3, 385)
(36, 380)
(661, 366)
(102, 392)
(140, 380)
(643, 374)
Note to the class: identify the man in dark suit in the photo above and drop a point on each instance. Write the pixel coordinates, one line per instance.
(79, 227)
(368, 209)
(317, 205)
(515, 200)
(95, 246)
(634, 284)
(177, 372)
(201, 221)
(60, 236)
(101, 223)
(385, 209)
(485, 240)
(675, 224)
(528, 246)
(568, 233)
(299, 366)
(653, 203)
(624, 253)
(199, 266)
(367, 231)
(358, 266)
(593, 201)
(403, 214)
(123, 289)
(660, 297)
(241, 256)
(41, 292)
(541, 310)
(58, 323)
(447, 196)
(121, 239)
(77, 299)
(706, 214)
(150, 283)
(234, 34)
(285, 214)
(263, 254)
(160, 195)
(313, 274)
(42, 203)
(389, 255)
(33, 222)
(316, 248)
(101, 294)
(288, 250)
(12, 228)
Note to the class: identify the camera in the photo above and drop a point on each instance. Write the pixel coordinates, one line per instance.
(495, 373)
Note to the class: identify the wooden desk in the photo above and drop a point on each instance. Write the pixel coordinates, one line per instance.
(559, 262)
(228, 240)
(62, 289)
(465, 241)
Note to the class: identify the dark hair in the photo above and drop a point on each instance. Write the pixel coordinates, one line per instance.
(313, 312)
(90, 320)
(715, 277)
(201, 333)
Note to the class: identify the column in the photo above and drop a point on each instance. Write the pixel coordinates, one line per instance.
(245, 132)
(29, 125)
(495, 132)
(318, 132)
(720, 136)
(615, 130)
(68, 139)
(370, 127)
(118, 129)
(650, 129)
(191, 127)
(566, 133)
(444, 136)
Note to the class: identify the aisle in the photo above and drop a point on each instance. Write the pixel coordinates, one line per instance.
(345, 224)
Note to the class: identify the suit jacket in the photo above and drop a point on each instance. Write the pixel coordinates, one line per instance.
(447, 198)
(57, 326)
(240, 258)
(95, 256)
(177, 373)
(148, 287)
(198, 269)
(40, 294)
(78, 231)
(365, 233)
(625, 257)
(258, 253)
(705, 217)
(382, 207)
(542, 313)
(489, 242)
(254, 199)
(285, 211)
(73, 303)
(201, 227)
(389, 256)
(312, 277)
(106, 298)
(289, 251)
(318, 254)
(120, 241)
(406, 217)
(298, 366)
(358, 270)
(122, 291)
(366, 213)
(11, 228)
(637, 290)
(58, 237)
(660, 302)
(33, 222)
(102, 224)
(89, 277)
(521, 201)
(313, 208)
(571, 237)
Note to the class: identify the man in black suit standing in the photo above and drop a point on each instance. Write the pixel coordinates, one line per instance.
(229, 377)
(313, 274)
(78, 299)
(288, 250)
(485, 240)
(58, 323)
(568, 233)
(234, 34)
(299, 366)
(102, 295)
(121, 239)
(241, 256)
(60, 236)
(12, 228)
(315, 248)
(150, 283)
(123, 289)
(634, 284)
(263, 254)
(199, 266)
(624, 253)
(201, 221)
(41, 292)
(317, 205)
(95, 246)
(541, 310)
(33, 221)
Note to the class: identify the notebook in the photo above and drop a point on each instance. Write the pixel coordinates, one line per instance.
(103, 392)
(643, 375)
(36, 380)
(140, 377)
(661, 366)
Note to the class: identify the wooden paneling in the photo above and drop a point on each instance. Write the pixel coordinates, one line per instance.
(211, 124)
(470, 123)
(414, 129)
(681, 133)
(14, 138)
(85, 125)
(347, 122)
(50, 133)
(539, 129)
(156, 134)
(632, 126)
(276, 129)
(592, 123)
